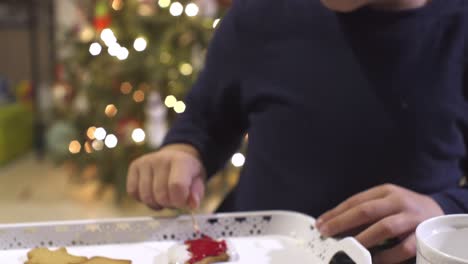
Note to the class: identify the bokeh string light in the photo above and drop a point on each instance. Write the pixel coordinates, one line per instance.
(138, 96)
(95, 49)
(97, 145)
(191, 10)
(164, 3)
(117, 5)
(138, 135)
(74, 147)
(186, 69)
(90, 132)
(139, 44)
(111, 110)
(216, 22)
(111, 141)
(126, 88)
(238, 160)
(170, 101)
(179, 107)
(107, 35)
(176, 9)
(100, 133)
(88, 148)
(122, 53)
(114, 49)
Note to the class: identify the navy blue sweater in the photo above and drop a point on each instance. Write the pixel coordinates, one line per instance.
(334, 104)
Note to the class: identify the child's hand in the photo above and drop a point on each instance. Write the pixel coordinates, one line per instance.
(387, 212)
(170, 178)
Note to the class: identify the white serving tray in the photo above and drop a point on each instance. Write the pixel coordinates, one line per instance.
(274, 237)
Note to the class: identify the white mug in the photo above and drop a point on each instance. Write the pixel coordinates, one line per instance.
(443, 240)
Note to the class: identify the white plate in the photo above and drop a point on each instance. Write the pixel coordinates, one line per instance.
(268, 249)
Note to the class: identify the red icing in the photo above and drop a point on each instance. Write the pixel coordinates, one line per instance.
(205, 247)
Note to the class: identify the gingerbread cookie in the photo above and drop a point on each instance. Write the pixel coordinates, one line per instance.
(102, 260)
(61, 256)
(46, 256)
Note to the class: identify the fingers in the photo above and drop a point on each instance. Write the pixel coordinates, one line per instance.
(132, 181)
(387, 228)
(404, 251)
(180, 180)
(161, 172)
(197, 192)
(167, 179)
(388, 212)
(145, 183)
(362, 214)
(371, 194)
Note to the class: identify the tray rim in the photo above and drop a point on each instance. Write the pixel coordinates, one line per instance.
(147, 218)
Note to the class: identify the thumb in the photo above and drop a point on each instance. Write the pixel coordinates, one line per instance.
(197, 192)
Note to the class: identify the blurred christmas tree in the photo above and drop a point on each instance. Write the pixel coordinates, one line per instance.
(126, 69)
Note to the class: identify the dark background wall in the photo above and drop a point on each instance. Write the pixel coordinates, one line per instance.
(26, 40)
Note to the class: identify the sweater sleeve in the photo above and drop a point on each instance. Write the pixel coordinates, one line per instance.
(453, 201)
(213, 122)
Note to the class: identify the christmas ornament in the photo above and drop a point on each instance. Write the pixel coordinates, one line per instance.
(102, 17)
(86, 33)
(197, 57)
(146, 8)
(62, 94)
(208, 8)
(156, 121)
(58, 139)
(81, 103)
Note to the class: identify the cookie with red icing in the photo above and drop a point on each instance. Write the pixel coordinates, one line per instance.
(204, 250)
